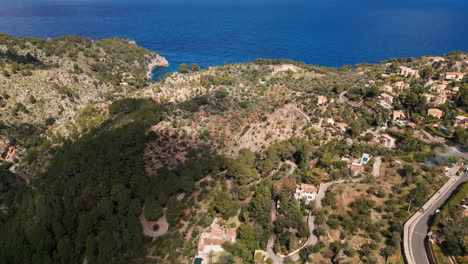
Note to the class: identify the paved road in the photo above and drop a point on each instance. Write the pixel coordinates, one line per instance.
(417, 226)
(271, 254)
(345, 99)
(293, 167)
(277, 259)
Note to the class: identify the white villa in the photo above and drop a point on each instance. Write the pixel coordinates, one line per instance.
(306, 192)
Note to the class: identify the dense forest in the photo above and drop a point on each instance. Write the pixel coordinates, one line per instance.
(88, 201)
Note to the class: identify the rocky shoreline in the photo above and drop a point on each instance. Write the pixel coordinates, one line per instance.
(157, 61)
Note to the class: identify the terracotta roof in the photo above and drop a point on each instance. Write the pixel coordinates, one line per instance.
(411, 124)
(387, 88)
(341, 126)
(435, 112)
(455, 73)
(306, 188)
(387, 137)
(321, 99)
(386, 95)
(397, 114)
(357, 168)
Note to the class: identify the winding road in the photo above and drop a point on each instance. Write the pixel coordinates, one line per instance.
(343, 98)
(417, 226)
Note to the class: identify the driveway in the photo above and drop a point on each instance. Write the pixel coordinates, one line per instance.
(376, 167)
(312, 240)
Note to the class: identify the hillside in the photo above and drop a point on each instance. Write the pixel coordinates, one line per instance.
(58, 88)
(270, 159)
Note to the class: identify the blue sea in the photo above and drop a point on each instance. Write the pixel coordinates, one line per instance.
(329, 33)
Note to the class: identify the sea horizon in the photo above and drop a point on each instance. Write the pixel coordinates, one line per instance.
(327, 34)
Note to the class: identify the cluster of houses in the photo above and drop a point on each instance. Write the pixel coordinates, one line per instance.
(212, 239)
(438, 95)
(454, 76)
(412, 73)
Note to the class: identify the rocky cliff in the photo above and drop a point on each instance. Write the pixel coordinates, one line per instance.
(156, 61)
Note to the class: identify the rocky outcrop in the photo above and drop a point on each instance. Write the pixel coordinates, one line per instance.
(156, 61)
(8, 154)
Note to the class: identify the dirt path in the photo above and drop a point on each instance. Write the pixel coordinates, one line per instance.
(300, 112)
(432, 138)
(376, 167)
(455, 150)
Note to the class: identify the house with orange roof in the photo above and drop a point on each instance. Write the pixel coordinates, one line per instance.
(306, 192)
(439, 88)
(411, 124)
(321, 100)
(387, 88)
(340, 126)
(439, 100)
(401, 85)
(385, 100)
(386, 140)
(461, 121)
(356, 169)
(435, 58)
(212, 239)
(408, 72)
(437, 113)
(429, 97)
(398, 115)
(454, 76)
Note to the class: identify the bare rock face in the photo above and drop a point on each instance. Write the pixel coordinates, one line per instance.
(8, 153)
(156, 61)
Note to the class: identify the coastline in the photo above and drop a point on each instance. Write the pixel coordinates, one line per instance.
(158, 61)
